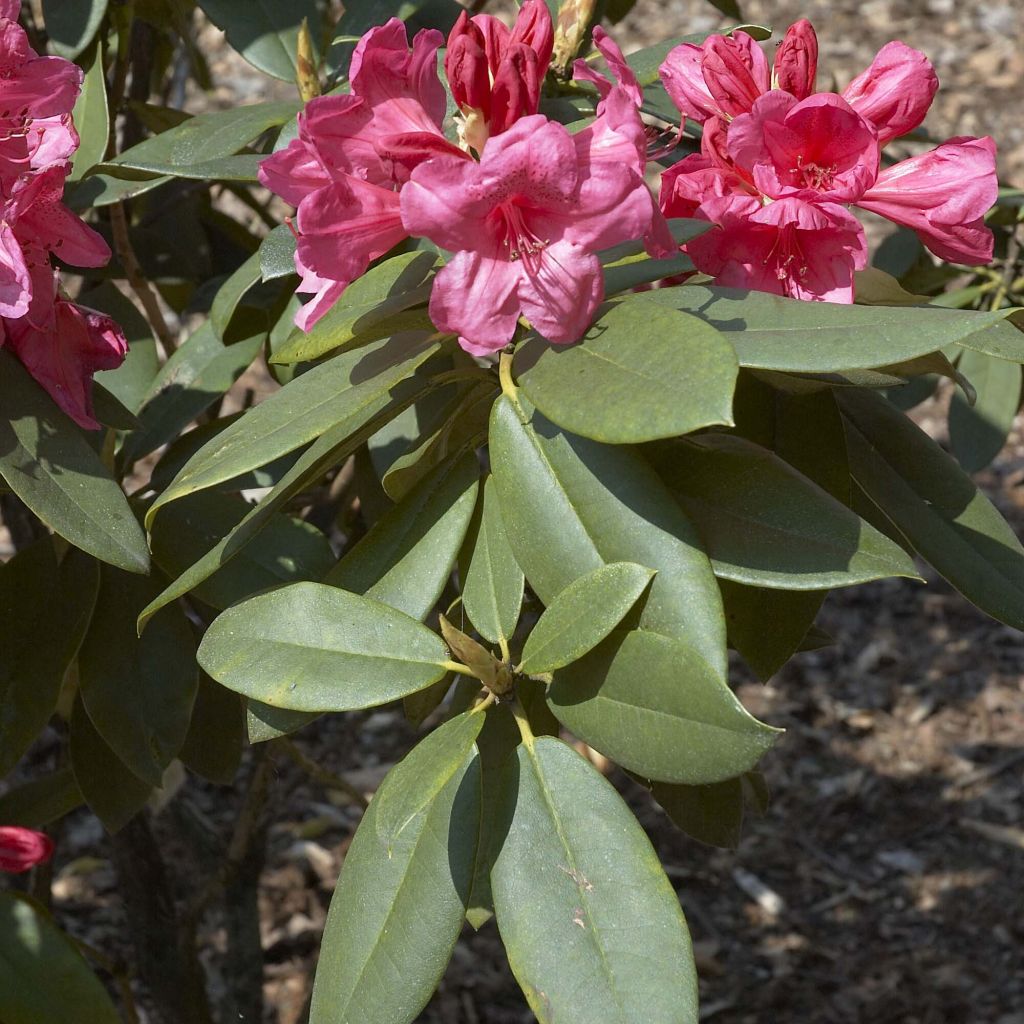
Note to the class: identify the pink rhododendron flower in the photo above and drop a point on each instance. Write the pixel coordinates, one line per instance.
(352, 155)
(789, 247)
(64, 349)
(943, 196)
(524, 224)
(23, 848)
(817, 148)
(763, 147)
(61, 344)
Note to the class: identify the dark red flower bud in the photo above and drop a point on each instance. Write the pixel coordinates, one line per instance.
(23, 848)
(516, 90)
(534, 28)
(465, 66)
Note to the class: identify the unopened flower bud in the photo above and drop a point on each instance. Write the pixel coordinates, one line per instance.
(574, 20)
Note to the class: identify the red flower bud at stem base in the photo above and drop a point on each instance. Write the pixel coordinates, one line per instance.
(23, 848)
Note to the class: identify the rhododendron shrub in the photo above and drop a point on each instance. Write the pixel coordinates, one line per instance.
(489, 377)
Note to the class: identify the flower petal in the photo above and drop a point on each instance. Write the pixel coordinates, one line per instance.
(474, 296)
(895, 92)
(560, 297)
(943, 196)
(796, 60)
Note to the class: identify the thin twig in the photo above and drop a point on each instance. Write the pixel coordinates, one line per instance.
(319, 773)
(137, 279)
(246, 826)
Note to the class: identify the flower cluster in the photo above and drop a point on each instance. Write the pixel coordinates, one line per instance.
(780, 165)
(522, 204)
(23, 848)
(61, 343)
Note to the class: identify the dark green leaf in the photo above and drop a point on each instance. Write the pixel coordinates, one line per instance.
(42, 801)
(765, 524)
(653, 705)
(43, 976)
(711, 814)
(231, 293)
(104, 190)
(90, 114)
(1004, 340)
(401, 898)
(138, 691)
(492, 587)
(71, 26)
(571, 505)
(373, 299)
(592, 926)
(930, 499)
(45, 610)
(114, 794)
(406, 559)
(48, 463)
(290, 549)
(195, 377)
(582, 615)
(351, 388)
(265, 32)
(216, 733)
(977, 433)
(768, 626)
(311, 647)
(209, 136)
(647, 372)
(775, 333)
(277, 253)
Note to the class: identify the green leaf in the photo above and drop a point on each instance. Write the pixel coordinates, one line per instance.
(263, 723)
(311, 647)
(775, 333)
(104, 190)
(1004, 340)
(582, 615)
(977, 433)
(42, 801)
(931, 500)
(209, 136)
(654, 706)
(401, 898)
(592, 926)
(130, 382)
(571, 505)
(462, 427)
(138, 691)
(71, 26)
(243, 167)
(711, 814)
(290, 550)
(388, 289)
(46, 610)
(216, 733)
(333, 447)
(195, 377)
(350, 388)
(406, 558)
(90, 115)
(767, 525)
(767, 627)
(50, 465)
(647, 372)
(114, 794)
(492, 588)
(43, 977)
(231, 293)
(277, 253)
(107, 408)
(265, 32)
